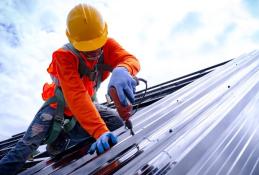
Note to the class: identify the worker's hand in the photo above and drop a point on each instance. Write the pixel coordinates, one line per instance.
(124, 84)
(103, 143)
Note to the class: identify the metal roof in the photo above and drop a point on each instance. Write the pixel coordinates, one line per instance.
(209, 125)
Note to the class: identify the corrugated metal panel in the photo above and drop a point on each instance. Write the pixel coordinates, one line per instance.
(214, 122)
(207, 127)
(225, 140)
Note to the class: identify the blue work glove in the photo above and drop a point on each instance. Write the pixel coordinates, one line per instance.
(124, 84)
(103, 143)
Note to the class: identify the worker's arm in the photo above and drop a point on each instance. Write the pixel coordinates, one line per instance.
(116, 56)
(76, 95)
(125, 66)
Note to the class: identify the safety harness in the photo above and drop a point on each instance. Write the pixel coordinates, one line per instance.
(95, 74)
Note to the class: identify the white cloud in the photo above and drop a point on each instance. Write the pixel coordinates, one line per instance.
(167, 41)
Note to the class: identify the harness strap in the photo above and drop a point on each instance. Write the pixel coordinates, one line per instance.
(69, 124)
(84, 70)
(58, 120)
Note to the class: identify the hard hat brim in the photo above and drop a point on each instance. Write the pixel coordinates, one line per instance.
(90, 45)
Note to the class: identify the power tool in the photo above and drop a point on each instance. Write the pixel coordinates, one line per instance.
(126, 112)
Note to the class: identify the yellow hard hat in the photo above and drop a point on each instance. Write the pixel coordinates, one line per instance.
(86, 29)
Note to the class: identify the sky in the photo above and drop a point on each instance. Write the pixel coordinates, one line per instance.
(170, 38)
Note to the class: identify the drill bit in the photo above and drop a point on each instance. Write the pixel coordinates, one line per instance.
(129, 125)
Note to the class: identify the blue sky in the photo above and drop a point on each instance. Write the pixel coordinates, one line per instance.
(171, 38)
(252, 7)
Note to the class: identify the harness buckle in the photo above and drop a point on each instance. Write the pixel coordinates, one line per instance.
(92, 75)
(59, 119)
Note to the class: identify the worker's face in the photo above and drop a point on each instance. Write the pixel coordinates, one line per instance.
(93, 55)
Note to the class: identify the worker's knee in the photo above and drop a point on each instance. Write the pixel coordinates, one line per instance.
(46, 117)
(113, 122)
(106, 112)
(34, 135)
(38, 129)
(110, 117)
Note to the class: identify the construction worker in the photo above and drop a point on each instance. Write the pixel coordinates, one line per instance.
(77, 70)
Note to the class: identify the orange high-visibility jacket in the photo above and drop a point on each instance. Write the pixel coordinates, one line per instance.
(78, 91)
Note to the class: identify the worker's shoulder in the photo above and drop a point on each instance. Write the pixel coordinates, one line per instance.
(61, 55)
(62, 52)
